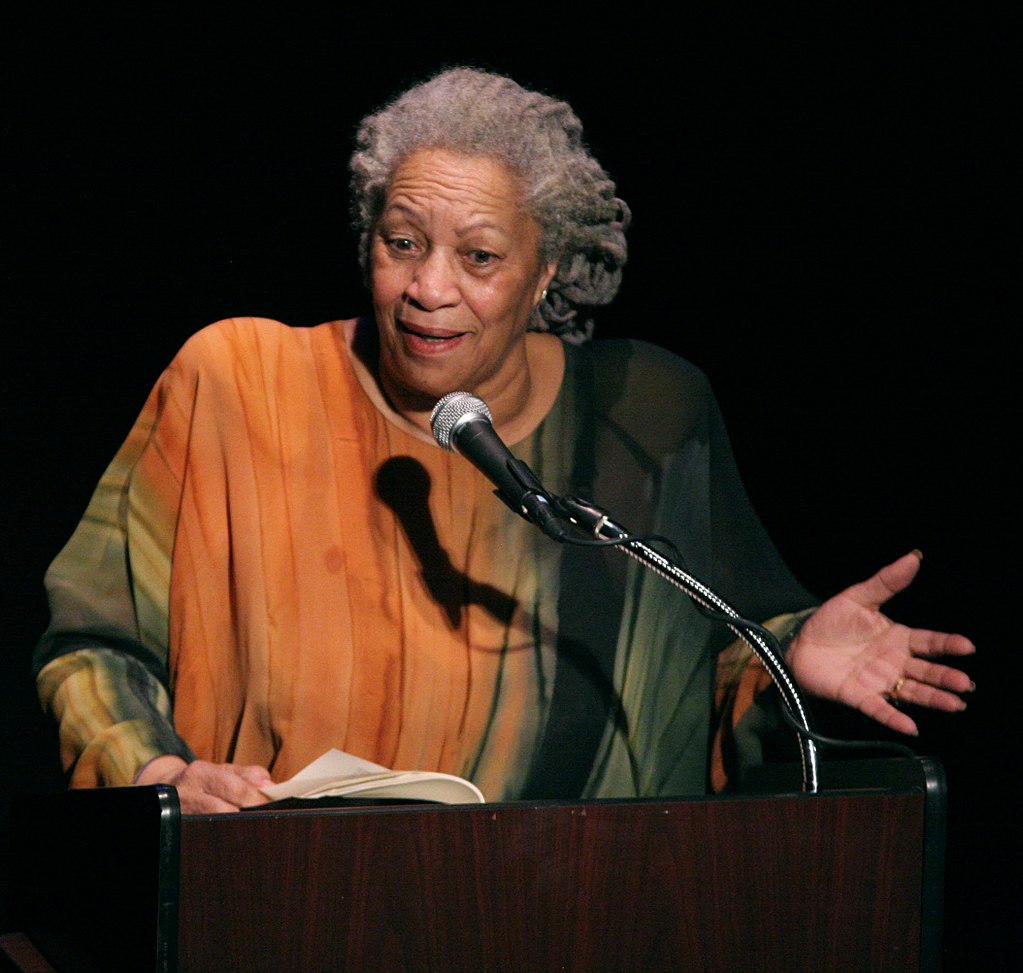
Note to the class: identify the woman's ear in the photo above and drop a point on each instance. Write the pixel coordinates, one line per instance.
(547, 273)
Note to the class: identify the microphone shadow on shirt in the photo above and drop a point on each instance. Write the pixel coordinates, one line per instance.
(403, 483)
(584, 693)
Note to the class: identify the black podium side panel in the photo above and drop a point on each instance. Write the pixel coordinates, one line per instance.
(95, 878)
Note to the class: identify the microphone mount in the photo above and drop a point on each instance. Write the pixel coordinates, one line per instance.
(462, 422)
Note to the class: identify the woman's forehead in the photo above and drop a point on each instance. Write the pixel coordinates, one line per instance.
(470, 191)
(453, 176)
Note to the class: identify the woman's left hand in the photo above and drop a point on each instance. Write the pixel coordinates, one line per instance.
(848, 651)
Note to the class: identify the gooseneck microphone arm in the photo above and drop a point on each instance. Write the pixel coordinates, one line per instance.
(462, 423)
(759, 639)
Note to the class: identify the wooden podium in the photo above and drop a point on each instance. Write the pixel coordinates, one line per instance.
(847, 879)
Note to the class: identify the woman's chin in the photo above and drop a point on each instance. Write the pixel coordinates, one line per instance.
(416, 398)
(424, 379)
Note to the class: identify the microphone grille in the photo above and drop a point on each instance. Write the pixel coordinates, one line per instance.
(450, 410)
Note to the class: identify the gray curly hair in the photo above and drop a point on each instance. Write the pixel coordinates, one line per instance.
(540, 140)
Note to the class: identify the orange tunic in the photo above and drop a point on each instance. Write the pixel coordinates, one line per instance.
(303, 574)
(299, 499)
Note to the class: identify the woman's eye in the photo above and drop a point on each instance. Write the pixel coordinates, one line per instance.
(481, 258)
(401, 244)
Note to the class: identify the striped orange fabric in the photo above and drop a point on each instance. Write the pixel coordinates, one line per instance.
(304, 573)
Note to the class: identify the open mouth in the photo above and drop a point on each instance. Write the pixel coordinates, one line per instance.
(432, 337)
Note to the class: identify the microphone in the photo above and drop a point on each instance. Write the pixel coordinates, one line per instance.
(462, 423)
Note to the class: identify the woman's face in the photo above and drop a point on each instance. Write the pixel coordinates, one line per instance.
(455, 274)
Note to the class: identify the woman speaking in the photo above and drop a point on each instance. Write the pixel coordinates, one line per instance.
(281, 559)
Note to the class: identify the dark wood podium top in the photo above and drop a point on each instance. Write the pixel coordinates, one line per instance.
(847, 879)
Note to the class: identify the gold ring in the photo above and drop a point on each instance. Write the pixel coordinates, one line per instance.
(893, 695)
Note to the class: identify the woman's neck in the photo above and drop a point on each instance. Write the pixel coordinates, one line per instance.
(545, 365)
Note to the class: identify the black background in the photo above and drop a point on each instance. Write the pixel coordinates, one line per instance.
(822, 222)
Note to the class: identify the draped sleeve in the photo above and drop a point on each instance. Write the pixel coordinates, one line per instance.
(102, 663)
(657, 457)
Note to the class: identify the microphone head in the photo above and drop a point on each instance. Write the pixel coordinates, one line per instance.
(451, 411)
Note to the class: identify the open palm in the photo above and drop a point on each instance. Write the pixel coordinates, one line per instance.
(849, 652)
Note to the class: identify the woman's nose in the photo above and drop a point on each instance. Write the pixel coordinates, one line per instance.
(434, 282)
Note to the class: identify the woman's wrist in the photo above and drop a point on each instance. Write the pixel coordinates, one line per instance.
(786, 641)
(161, 770)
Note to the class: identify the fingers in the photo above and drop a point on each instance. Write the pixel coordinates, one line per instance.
(935, 687)
(256, 776)
(932, 675)
(215, 788)
(939, 692)
(924, 684)
(878, 708)
(920, 694)
(925, 643)
(195, 801)
(889, 581)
